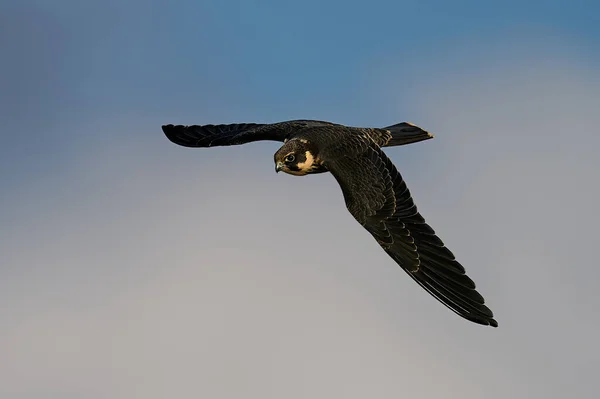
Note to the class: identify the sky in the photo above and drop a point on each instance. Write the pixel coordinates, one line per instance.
(131, 267)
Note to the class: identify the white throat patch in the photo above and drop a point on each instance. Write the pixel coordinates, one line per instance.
(308, 164)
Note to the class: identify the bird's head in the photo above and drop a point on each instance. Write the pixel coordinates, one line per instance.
(297, 157)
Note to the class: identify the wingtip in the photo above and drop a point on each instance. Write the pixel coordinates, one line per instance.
(168, 131)
(167, 128)
(175, 134)
(486, 321)
(477, 319)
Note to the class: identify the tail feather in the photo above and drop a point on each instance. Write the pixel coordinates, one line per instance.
(406, 133)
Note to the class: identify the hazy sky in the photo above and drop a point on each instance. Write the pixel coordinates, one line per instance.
(133, 268)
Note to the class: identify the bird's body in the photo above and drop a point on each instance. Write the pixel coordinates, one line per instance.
(374, 192)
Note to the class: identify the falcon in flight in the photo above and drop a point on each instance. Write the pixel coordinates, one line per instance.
(374, 192)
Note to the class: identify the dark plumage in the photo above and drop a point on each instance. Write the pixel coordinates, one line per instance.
(374, 192)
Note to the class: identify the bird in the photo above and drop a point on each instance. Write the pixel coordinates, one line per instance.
(374, 192)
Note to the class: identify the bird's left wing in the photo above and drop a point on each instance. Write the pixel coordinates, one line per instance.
(233, 134)
(377, 196)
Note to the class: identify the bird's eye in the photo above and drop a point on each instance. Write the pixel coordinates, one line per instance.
(290, 158)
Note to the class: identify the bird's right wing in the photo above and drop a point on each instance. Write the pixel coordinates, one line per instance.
(233, 134)
(377, 197)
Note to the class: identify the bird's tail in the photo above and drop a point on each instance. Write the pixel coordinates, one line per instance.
(406, 133)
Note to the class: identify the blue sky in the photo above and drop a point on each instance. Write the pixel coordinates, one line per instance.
(130, 267)
(73, 65)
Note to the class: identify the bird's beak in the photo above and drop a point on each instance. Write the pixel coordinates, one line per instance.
(278, 166)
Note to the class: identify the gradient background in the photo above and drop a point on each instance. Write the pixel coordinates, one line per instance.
(134, 268)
